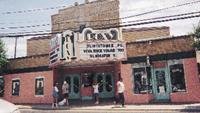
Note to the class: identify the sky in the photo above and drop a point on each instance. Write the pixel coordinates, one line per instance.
(127, 8)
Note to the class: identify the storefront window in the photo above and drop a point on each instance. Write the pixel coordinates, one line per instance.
(15, 87)
(177, 78)
(1, 86)
(142, 80)
(87, 79)
(39, 86)
(198, 64)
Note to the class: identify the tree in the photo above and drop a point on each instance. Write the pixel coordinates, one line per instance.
(3, 59)
(196, 44)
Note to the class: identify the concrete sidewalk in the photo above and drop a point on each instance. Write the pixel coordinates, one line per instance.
(149, 107)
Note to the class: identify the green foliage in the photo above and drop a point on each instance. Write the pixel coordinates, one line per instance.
(197, 32)
(196, 44)
(3, 59)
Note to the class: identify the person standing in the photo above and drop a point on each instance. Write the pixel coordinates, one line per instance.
(65, 92)
(55, 95)
(120, 90)
(96, 92)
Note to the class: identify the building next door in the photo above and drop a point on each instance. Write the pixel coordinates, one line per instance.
(106, 85)
(74, 85)
(161, 82)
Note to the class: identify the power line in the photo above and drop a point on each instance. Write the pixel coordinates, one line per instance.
(111, 26)
(183, 14)
(151, 22)
(136, 15)
(30, 26)
(140, 14)
(33, 10)
(162, 17)
(33, 21)
(161, 9)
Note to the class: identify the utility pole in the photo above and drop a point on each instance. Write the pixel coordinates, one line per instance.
(15, 52)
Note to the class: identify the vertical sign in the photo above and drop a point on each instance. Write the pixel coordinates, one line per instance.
(55, 46)
(69, 44)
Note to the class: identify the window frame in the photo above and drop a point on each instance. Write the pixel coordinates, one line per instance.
(177, 62)
(35, 83)
(149, 81)
(14, 81)
(2, 86)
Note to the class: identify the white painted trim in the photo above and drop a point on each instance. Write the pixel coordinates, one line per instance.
(139, 65)
(16, 79)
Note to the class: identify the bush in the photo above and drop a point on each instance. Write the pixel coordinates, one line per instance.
(196, 44)
(197, 32)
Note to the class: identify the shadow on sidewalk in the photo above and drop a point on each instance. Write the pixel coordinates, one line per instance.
(191, 109)
(74, 104)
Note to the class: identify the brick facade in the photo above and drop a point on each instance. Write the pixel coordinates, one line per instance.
(130, 97)
(192, 84)
(38, 45)
(28, 62)
(133, 34)
(160, 46)
(90, 14)
(27, 88)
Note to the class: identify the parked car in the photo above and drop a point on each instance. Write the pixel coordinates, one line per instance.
(7, 107)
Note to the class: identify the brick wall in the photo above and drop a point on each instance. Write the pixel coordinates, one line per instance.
(130, 97)
(27, 88)
(192, 83)
(83, 14)
(160, 46)
(133, 34)
(38, 46)
(27, 62)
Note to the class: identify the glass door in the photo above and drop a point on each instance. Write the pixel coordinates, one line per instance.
(106, 85)
(161, 84)
(74, 85)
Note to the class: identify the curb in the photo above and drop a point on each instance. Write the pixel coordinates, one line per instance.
(108, 109)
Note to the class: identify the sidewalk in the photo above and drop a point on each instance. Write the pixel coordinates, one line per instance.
(149, 107)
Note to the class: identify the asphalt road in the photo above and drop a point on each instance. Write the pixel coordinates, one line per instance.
(97, 111)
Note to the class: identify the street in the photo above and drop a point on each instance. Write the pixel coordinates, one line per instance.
(100, 111)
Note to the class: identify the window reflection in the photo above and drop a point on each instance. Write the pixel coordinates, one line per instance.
(100, 81)
(142, 80)
(108, 83)
(15, 87)
(177, 78)
(160, 80)
(76, 85)
(39, 86)
(87, 79)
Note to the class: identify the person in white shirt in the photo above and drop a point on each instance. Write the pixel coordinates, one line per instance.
(96, 92)
(120, 90)
(65, 92)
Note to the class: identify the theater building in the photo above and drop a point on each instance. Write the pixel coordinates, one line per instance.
(155, 66)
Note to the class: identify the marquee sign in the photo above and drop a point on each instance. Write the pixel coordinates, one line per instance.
(104, 50)
(88, 45)
(108, 34)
